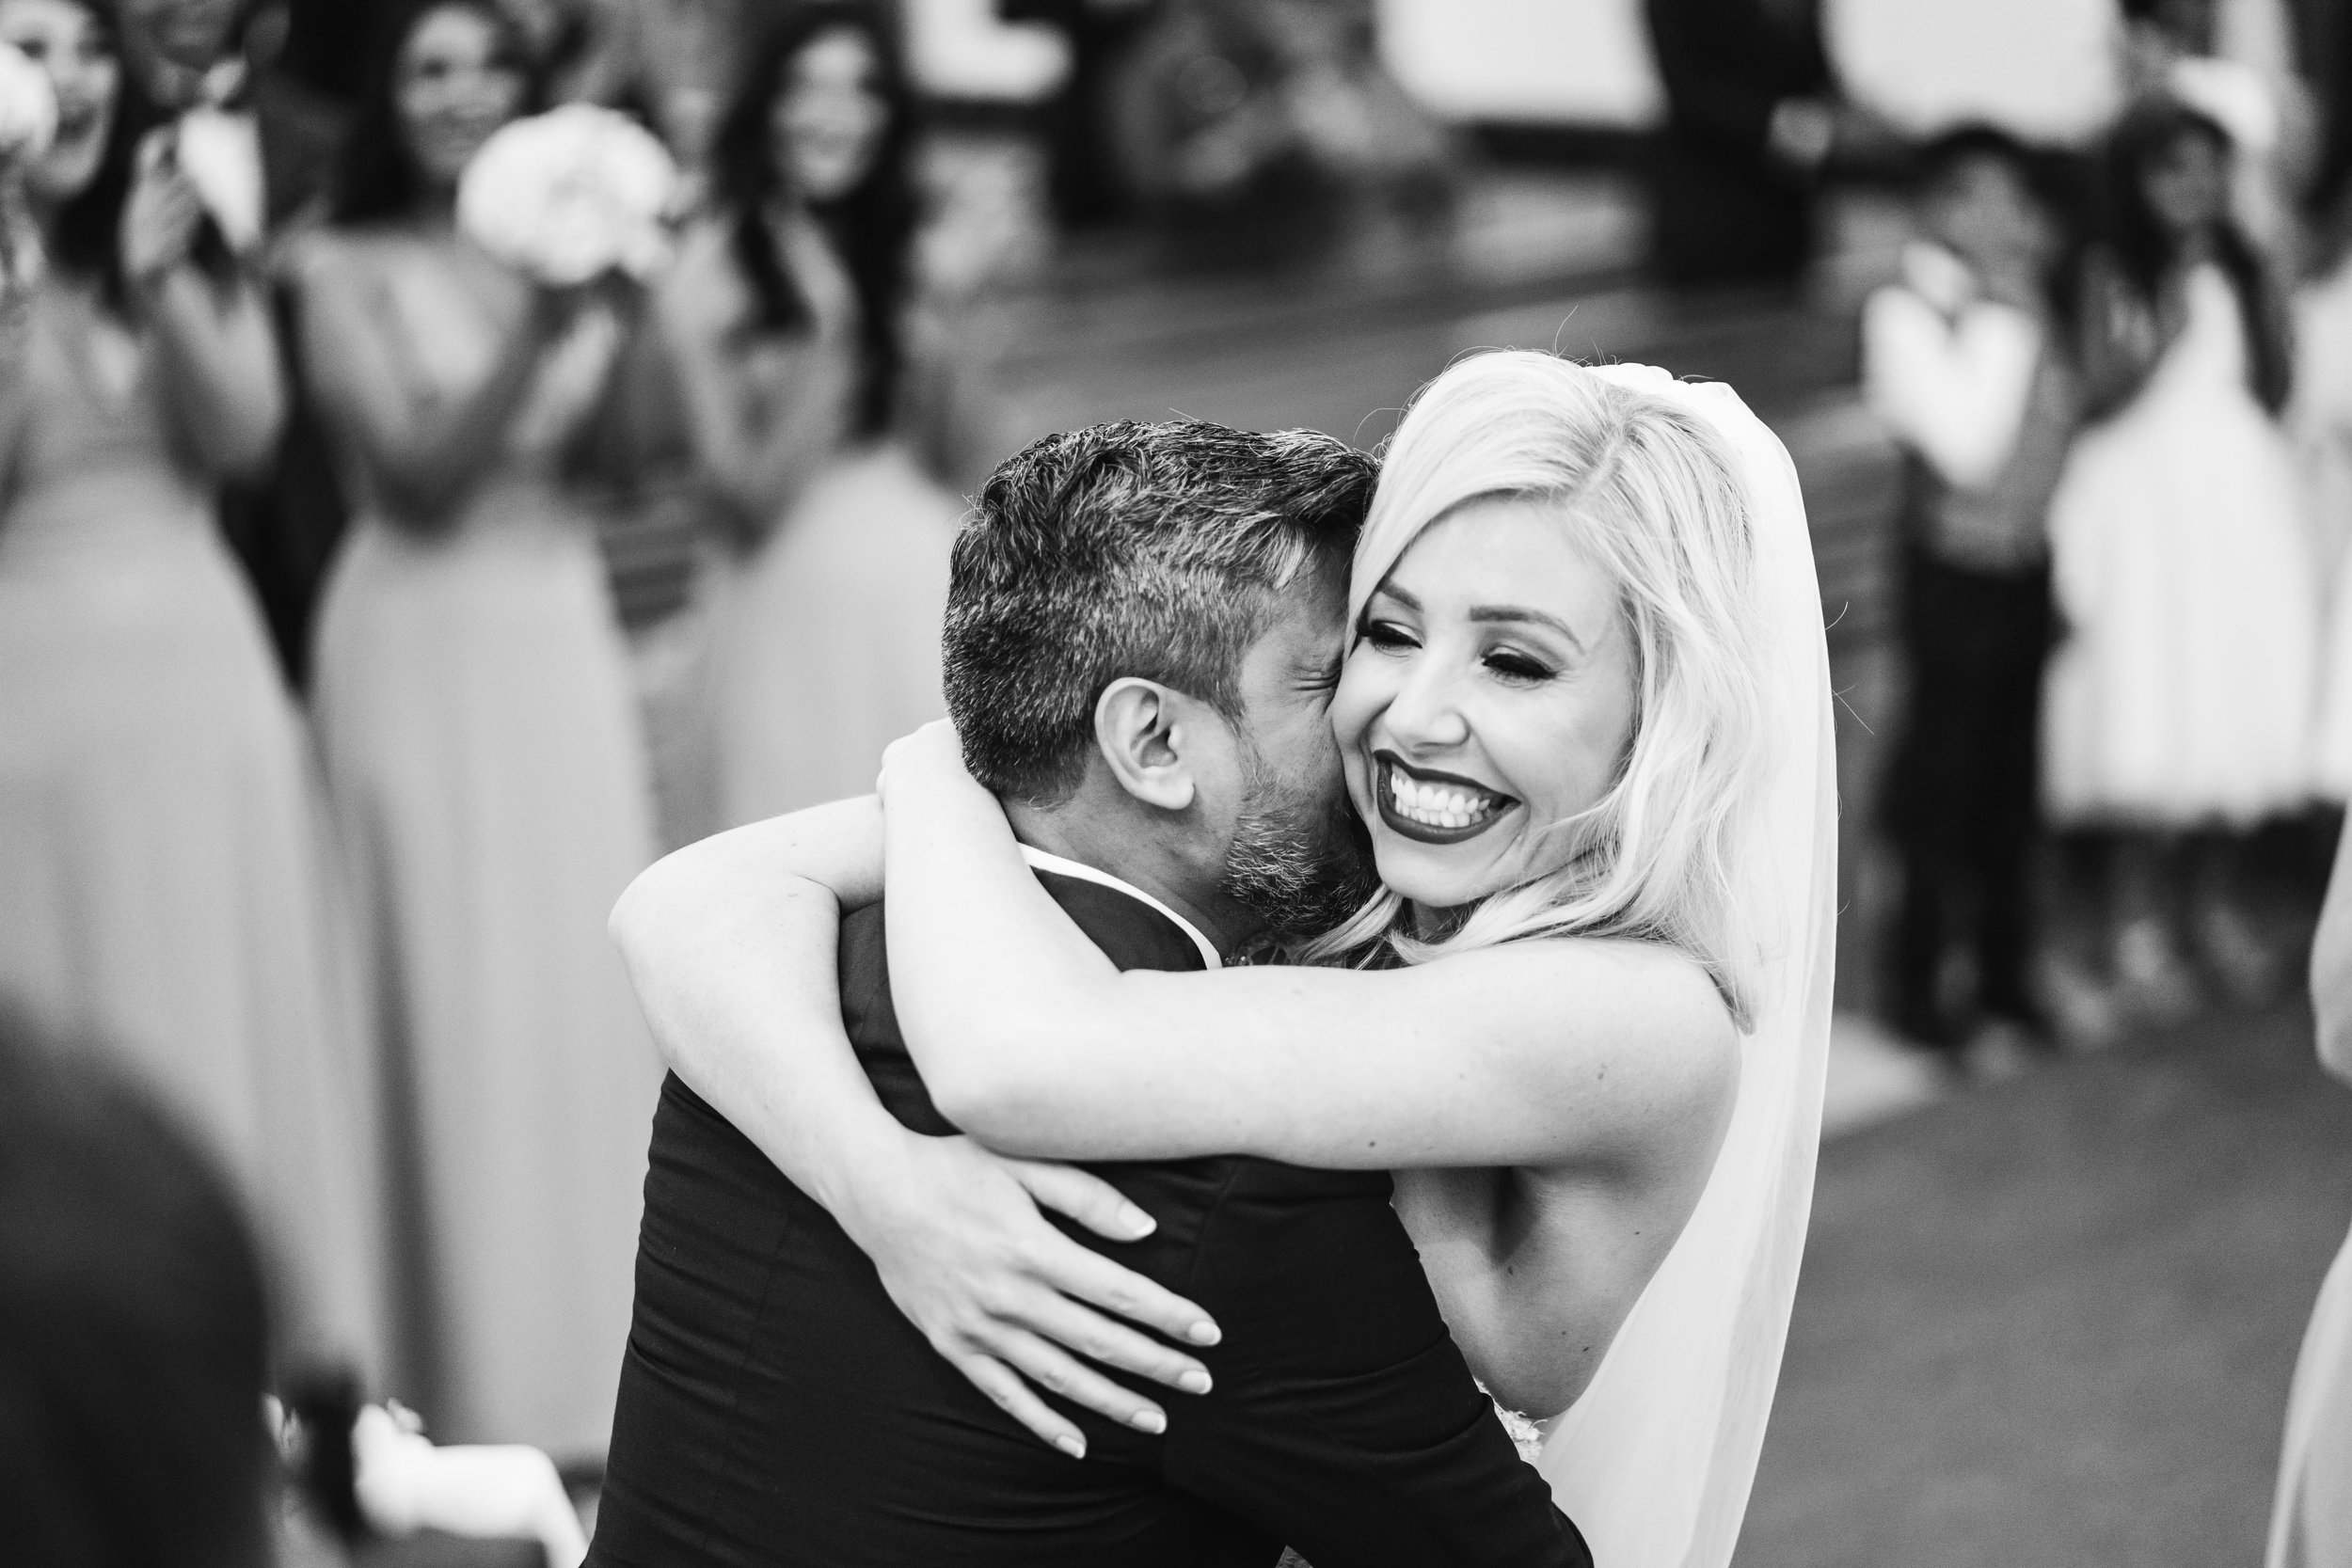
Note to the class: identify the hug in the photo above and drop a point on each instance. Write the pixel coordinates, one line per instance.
(1389, 925)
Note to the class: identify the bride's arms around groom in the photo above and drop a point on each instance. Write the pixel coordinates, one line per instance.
(732, 946)
(1564, 1144)
(1552, 1109)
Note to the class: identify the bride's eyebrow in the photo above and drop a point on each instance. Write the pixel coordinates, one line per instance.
(1512, 613)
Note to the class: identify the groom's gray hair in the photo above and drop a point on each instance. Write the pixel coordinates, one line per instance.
(1161, 551)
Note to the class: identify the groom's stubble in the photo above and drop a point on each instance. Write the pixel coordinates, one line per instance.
(1299, 860)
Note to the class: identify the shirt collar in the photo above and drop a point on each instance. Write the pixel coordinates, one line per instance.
(1040, 860)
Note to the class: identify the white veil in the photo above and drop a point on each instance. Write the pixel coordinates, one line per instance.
(1654, 1462)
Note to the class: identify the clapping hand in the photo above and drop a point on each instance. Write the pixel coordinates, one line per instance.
(163, 214)
(959, 1237)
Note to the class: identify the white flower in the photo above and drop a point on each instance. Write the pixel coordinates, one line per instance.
(28, 107)
(570, 195)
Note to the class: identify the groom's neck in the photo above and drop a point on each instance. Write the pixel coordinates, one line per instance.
(1138, 852)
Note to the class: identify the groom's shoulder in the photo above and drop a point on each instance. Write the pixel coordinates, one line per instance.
(1131, 933)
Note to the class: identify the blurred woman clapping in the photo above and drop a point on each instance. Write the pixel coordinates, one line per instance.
(484, 753)
(786, 323)
(161, 878)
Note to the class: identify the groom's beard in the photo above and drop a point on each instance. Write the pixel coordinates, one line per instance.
(1298, 862)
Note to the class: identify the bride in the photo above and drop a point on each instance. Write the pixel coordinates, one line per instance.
(1583, 714)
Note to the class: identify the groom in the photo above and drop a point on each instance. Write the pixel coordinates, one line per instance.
(1141, 615)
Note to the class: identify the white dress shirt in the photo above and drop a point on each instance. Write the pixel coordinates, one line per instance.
(1040, 860)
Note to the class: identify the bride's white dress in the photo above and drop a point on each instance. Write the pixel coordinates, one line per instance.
(2182, 692)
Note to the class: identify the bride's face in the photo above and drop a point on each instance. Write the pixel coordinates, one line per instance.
(1489, 695)
(68, 39)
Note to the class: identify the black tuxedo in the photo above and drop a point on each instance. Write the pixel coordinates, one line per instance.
(776, 1408)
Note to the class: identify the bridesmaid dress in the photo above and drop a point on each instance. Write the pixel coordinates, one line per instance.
(824, 639)
(485, 758)
(164, 864)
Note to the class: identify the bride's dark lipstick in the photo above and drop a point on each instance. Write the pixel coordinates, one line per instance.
(1429, 807)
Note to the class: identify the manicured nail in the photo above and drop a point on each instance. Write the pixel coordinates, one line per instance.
(1204, 1333)
(1074, 1446)
(1150, 1421)
(1194, 1381)
(1136, 1221)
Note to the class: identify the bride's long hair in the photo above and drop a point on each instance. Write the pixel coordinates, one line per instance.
(1650, 494)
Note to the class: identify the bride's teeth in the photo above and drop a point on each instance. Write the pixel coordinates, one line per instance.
(1435, 805)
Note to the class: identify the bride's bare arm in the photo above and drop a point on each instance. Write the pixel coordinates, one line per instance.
(731, 943)
(1572, 1054)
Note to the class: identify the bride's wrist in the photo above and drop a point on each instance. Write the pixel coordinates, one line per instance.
(867, 1179)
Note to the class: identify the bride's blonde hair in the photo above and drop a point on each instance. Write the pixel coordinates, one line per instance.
(1649, 493)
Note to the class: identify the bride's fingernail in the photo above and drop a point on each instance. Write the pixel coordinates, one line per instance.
(1203, 1333)
(1194, 1382)
(1074, 1446)
(1150, 1421)
(1136, 1222)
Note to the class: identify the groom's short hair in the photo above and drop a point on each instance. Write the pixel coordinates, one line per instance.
(1158, 550)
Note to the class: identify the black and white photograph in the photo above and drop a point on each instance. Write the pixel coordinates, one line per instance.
(1175, 783)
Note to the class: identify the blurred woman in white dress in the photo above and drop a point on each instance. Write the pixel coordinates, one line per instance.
(484, 753)
(2179, 705)
(787, 325)
(163, 865)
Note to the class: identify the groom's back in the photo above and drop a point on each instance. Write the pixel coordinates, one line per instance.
(776, 1407)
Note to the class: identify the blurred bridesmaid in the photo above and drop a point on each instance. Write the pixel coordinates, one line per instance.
(788, 327)
(484, 753)
(162, 860)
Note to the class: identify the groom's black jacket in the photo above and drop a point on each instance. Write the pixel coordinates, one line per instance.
(776, 1408)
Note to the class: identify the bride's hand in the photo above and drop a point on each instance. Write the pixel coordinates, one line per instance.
(958, 1236)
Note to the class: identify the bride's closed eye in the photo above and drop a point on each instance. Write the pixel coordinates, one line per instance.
(1519, 668)
(1387, 636)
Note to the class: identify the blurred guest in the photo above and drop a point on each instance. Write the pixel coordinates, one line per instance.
(1270, 121)
(2231, 60)
(2178, 709)
(1749, 119)
(163, 882)
(133, 1329)
(1961, 361)
(254, 134)
(223, 55)
(482, 744)
(787, 322)
(2310, 1519)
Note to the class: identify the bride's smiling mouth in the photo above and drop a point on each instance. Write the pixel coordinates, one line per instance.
(1434, 808)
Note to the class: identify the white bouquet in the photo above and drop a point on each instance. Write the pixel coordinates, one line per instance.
(571, 195)
(28, 107)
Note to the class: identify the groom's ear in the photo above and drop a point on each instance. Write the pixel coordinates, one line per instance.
(1143, 730)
